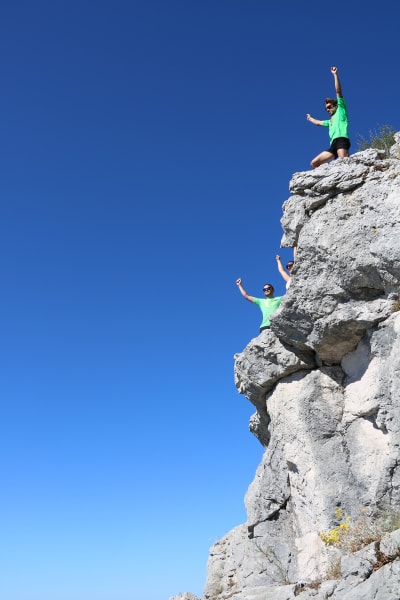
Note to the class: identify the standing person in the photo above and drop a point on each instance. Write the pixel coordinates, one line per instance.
(267, 305)
(338, 126)
(286, 276)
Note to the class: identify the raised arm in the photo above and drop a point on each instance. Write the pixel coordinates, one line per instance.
(243, 291)
(281, 270)
(314, 121)
(338, 87)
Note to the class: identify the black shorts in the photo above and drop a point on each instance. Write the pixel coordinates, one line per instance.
(340, 143)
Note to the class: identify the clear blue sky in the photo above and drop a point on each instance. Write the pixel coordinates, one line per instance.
(146, 150)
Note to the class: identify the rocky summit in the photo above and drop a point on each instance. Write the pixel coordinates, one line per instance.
(324, 507)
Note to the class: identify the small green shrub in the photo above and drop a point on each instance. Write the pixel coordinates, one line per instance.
(335, 535)
(279, 567)
(381, 138)
(352, 536)
(335, 570)
(396, 306)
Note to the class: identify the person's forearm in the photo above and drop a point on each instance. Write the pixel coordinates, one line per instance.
(282, 271)
(280, 267)
(314, 121)
(243, 291)
(338, 87)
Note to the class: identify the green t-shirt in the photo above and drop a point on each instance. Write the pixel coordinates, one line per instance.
(338, 124)
(267, 307)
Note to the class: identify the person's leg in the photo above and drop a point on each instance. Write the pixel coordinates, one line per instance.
(342, 152)
(341, 147)
(322, 158)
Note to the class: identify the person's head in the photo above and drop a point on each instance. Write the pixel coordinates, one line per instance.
(331, 105)
(268, 290)
(289, 266)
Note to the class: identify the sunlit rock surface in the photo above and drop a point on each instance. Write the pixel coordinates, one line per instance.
(325, 382)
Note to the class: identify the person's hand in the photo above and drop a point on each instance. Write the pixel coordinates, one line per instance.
(334, 70)
(238, 281)
(308, 117)
(278, 257)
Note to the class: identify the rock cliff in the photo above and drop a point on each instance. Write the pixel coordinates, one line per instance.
(325, 382)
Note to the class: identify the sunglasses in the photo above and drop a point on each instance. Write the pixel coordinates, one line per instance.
(289, 265)
(266, 289)
(328, 106)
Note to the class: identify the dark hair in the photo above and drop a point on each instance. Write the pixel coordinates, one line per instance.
(331, 101)
(271, 286)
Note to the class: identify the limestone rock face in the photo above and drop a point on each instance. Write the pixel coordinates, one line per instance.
(345, 218)
(325, 382)
(185, 596)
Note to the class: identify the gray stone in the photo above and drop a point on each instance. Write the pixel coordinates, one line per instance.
(185, 596)
(325, 382)
(348, 259)
(383, 584)
(390, 545)
(264, 362)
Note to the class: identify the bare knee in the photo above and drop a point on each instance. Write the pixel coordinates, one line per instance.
(314, 163)
(320, 159)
